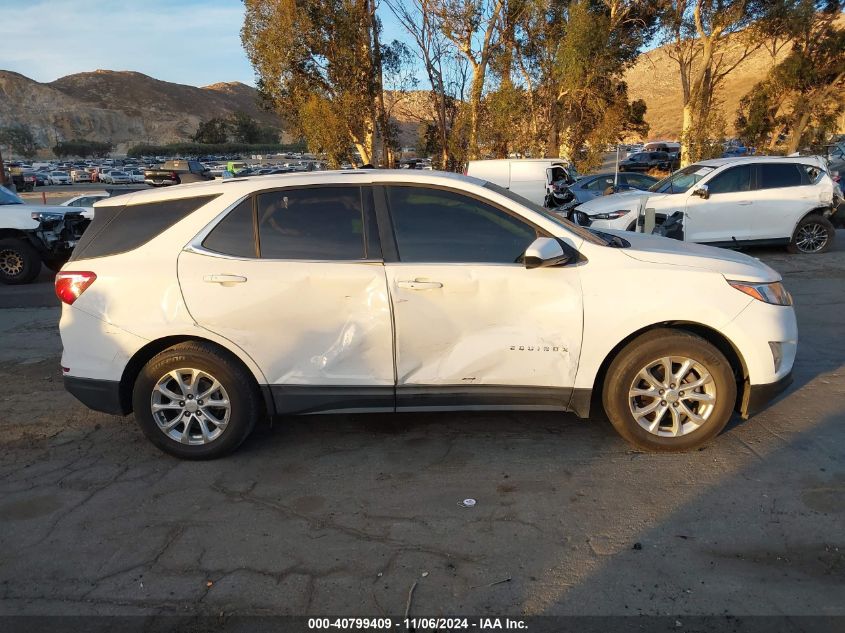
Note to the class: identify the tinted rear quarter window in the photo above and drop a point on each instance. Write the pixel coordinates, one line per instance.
(120, 229)
(316, 223)
(776, 175)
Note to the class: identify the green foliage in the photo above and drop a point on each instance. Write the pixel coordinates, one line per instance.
(20, 139)
(199, 149)
(212, 131)
(82, 148)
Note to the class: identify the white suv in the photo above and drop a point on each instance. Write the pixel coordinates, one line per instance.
(762, 200)
(206, 307)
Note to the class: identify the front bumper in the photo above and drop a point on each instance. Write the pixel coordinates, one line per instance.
(756, 397)
(99, 395)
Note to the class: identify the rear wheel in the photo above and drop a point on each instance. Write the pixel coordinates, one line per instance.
(669, 390)
(814, 234)
(194, 402)
(20, 263)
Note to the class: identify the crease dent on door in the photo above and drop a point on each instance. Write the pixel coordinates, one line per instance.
(491, 325)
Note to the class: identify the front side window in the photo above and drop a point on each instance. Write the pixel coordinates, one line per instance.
(434, 225)
(777, 175)
(318, 223)
(731, 180)
(599, 184)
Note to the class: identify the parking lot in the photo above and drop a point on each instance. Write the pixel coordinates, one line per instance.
(343, 514)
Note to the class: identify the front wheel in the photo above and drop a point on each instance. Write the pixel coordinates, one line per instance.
(814, 234)
(669, 390)
(20, 263)
(194, 402)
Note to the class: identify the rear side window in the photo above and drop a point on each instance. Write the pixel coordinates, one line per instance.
(316, 223)
(731, 180)
(814, 174)
(120, 229)
(776, 175)
(235, 234)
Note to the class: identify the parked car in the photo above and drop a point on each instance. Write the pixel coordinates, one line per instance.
(32, 235)
(86, 202)
(174, 172)
(80, 175)
(597, 185)
(481, 299)
(528, 177)
(42, 178)
(23, 179)
(763, 200)
(116, 177)
(59, 178)
(645, 161)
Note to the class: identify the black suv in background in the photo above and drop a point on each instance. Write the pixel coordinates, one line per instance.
(644, 161)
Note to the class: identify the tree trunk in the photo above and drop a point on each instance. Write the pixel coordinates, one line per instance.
(475, 110)
(686, 129)
(797, 132)
(2, 169)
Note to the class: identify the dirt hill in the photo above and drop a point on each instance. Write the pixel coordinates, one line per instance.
(655, 78)
(123, 107)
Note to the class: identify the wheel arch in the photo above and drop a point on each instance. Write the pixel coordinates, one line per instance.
(148, 351)
(815, 211)
(709, 334)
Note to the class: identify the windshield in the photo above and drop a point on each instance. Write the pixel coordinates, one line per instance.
(585, 234)
(7, 197)
(681, 180)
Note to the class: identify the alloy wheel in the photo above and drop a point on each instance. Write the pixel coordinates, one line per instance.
(190, 406)
(672, 396)
(11, 263)
(811, 238)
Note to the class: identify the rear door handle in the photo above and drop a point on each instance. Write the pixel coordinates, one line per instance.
(744, 203)
(224, 280)
(419, 284)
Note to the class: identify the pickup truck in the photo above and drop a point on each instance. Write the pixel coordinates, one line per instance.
(175, 172)
(31, 235)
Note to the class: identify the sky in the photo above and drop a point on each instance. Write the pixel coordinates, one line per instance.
(194, 42)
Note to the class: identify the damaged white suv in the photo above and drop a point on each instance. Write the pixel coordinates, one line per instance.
(206, 307)
(754, 200)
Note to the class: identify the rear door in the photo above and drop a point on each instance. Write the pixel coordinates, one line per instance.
(727, 214)
(784, 194)
(307, 300)
(529, 180)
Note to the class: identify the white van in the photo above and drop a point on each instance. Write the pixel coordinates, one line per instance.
(528, 177)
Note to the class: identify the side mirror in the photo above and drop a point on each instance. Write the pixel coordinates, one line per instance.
(702, 191)
(544, 252)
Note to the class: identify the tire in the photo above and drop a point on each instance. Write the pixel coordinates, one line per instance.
(236, 386)
(713, 401)
(55, 264)
(813, 235)
(20, 263)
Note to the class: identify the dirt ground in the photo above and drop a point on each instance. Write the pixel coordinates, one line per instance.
(342, 514)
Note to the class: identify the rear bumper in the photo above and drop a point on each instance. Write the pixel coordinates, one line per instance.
(99, 395)
(758, 396)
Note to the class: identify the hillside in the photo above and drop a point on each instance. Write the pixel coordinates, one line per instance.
(123, 107)
(655, 78)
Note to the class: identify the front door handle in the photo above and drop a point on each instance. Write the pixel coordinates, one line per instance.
(744, 203)
(224, 280)
(419, 284)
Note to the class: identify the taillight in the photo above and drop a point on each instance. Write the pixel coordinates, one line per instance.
(69, 285)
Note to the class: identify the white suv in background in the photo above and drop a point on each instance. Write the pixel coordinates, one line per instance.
(756, 200)
(206, 307)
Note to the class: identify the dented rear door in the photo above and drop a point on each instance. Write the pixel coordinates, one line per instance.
(310, 305)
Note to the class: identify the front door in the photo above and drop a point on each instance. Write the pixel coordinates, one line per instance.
(473, 326)
(308, 301)
(726, 214)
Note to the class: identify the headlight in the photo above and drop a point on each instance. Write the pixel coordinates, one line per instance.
(47, 216)
(613, 215)
(773, 293)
